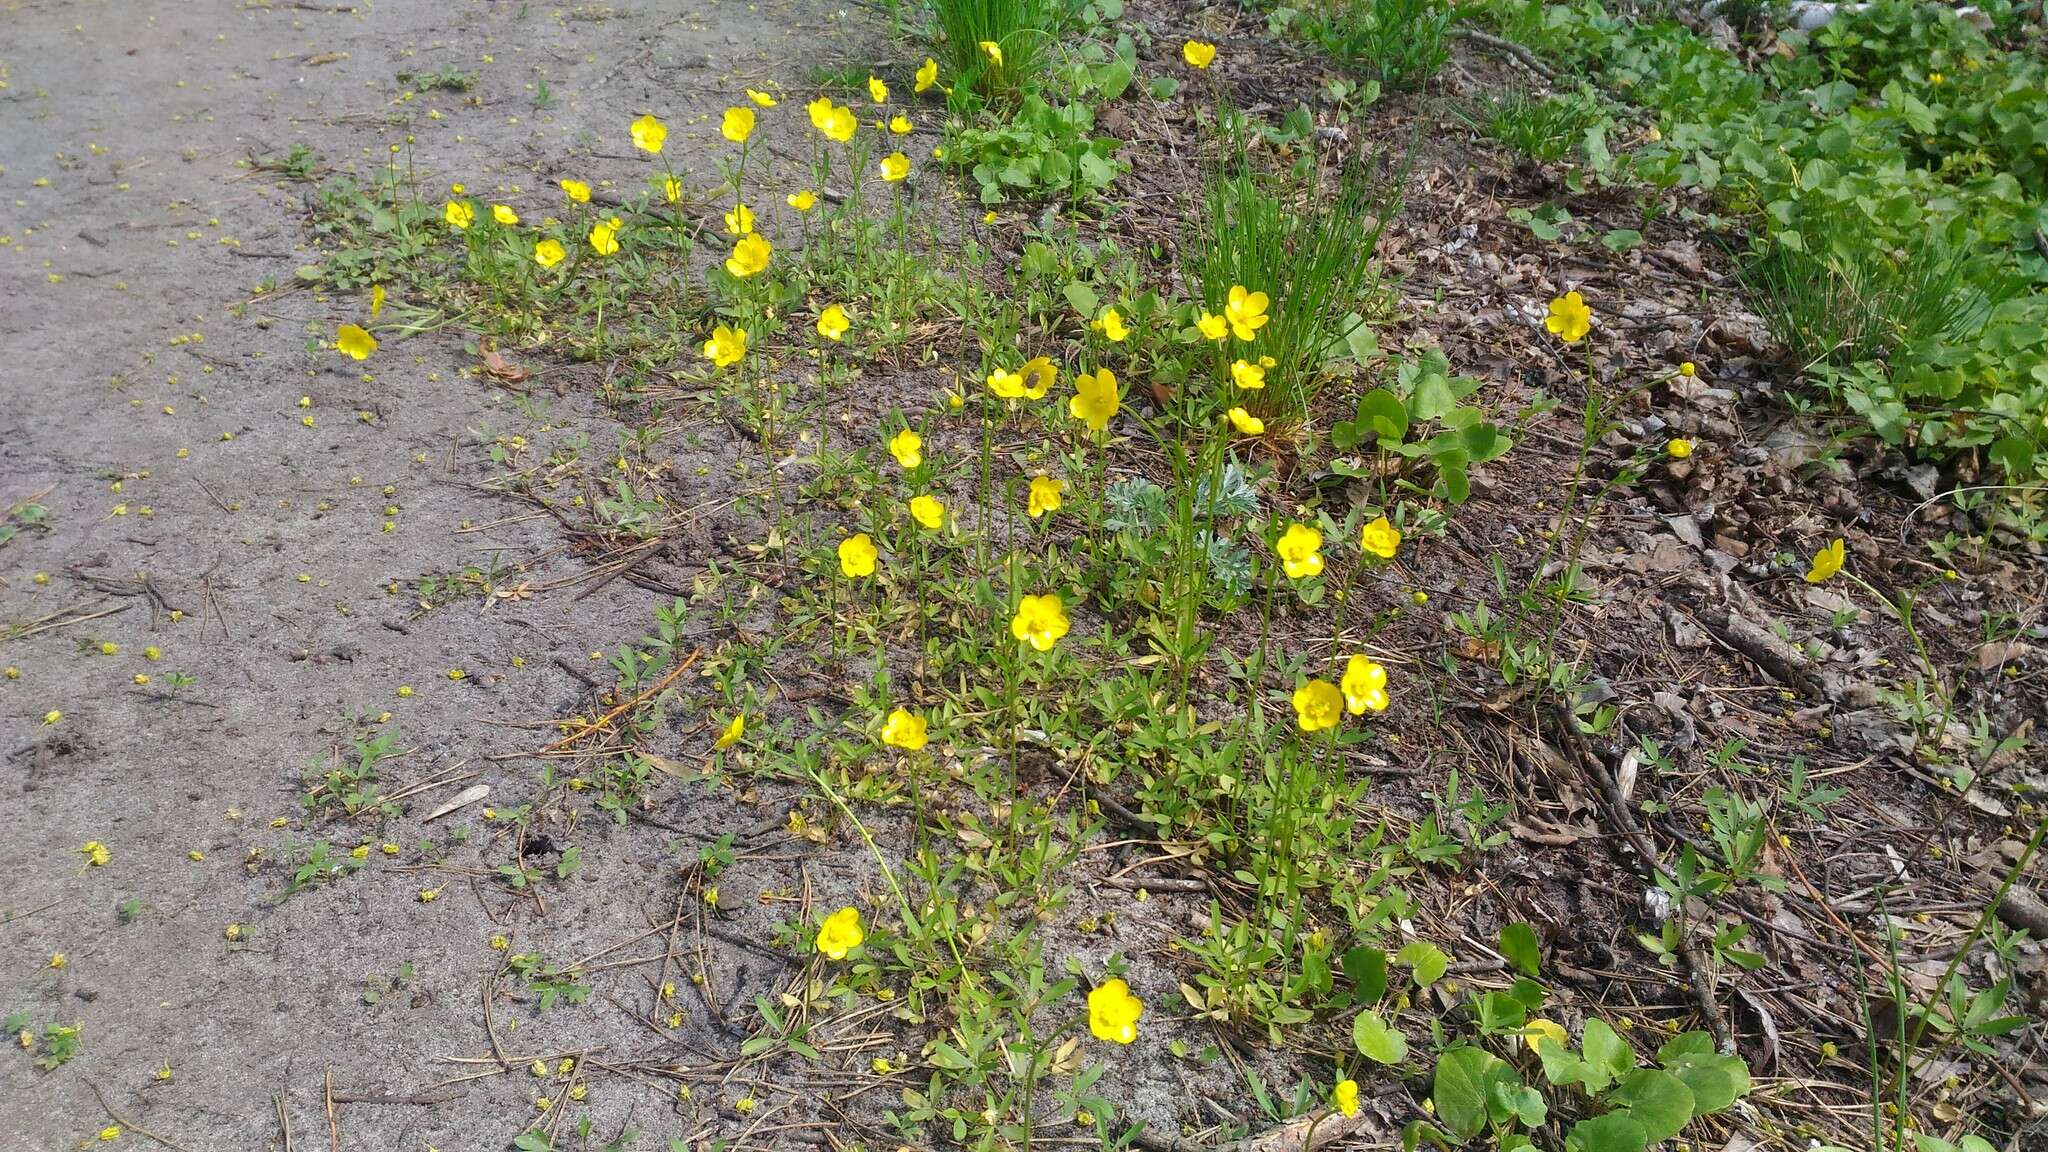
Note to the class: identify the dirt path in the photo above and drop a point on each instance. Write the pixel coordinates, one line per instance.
(280, 505)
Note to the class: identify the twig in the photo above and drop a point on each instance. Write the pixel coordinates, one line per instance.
(131, 1125)
(1513, 49)
(284, 1120)
(635, 702)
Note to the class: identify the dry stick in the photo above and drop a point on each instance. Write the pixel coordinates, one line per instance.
(333, 1121)
(1617, 806)
(131, 1125)
(635, 702)
(284, 1120)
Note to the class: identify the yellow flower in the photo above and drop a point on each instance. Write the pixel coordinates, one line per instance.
(905, 730)
(111, 1132)
(926, 510)
(1113, 1012)
(355, 342)
(1318, 705)
(1540, 1031)
(52, 717)
(877, 91)
(1344, 1097)
(1045, 496)
(802, 201)
(732, 733)
(649, 134)
(1246, 423)
(737, 125)
(1212, 326)
(577, 190)
(1198, 54)
(1688, 370)
(726, 347)
(906, 446)
(839, 124)
(761, 98)
(927, 74)
(604, 236)
(58, 959)
(1008, 385)
(429, 895)
(1569, 318)
(1247, 375)
(1936, 78)
(503, 214)
(749, 256)
(1380, 538)
(1679, 447)
(376, 300)
(1246, 311)
(857, 556)
(548, 253)
(900, 125)
(1039, 377)
(740, 220)
(840, 933)
(1111, 324)
(1365, 686)
(231, 933)
(458, 213)
(1040, 621)
(895, 166)
(993, 51)
(1095, 399)
(671, 189)
(1827, 562)
(1299, 551)
(833, 322)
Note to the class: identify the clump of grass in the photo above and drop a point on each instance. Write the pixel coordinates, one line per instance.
(1026, 32)
(1310, 249)
(1400, 43)
(1545, 129)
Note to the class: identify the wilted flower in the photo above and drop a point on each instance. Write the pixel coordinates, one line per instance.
(355, 342)
(1095, 399)
(737, 125)
(1318, 705)
(726, 347)
(548, 253)
(1113, 1012)
(840, 933)
(1246, 311)
(458, 213)
(749, 256)
(649, 134)
(857, 556)
(905, 730)
(96, 853)
(906, 446)
(993, 51)
(1246, 423)
(1044, 496)
(1299, 551)
(1365, 686)
(1197, 53)
(1827, 562)
(833, 322)
(1380, 538)
(1569, 319)
(1040, 621)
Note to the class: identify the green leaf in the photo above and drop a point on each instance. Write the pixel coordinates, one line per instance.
(1163, 87)
(1366, 968)
(1518, 943)
(1461, 1090)
(1621, 239)
(1659, 1101)
(1716, 1080)
(1614, 1132)
(1425, 960)
(1383, 413)
(2015, 455)
(1607, 1051)
(1433, 397)
(1520, 1101)
(1376, 1040)
(1083, 298)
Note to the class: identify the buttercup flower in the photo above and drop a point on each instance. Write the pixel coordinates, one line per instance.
(737, 125)
(749, 256)
(835, 122)
(993, 51)
(1246, 311)
(927, 74)
(1827, 562)
(877, 91)
(649, 134)
(1040, 621)
(1044, 497)
(1569, 319)
(761, 98)
(900, 125)
(1678, 447)
(1113, 1012)
(1247, 375)
(1299, 551)
(927, 511)
(1687, 370)
(376, 300)
(895, 166)
(1111, 325)
(1344, 1097)
(739, 220)
(802, 201)
(458, 213)
(1364, 685)
(96, 854)
(1095, 399)
(1039, 377)
(354, 342)
(577, 190)
(857, 556)
(907, 447)
(905, 730)
(1212, 326)
(1318, 705)
(1197, 53)
(1380, 538)
(840, 933)
(726, 347)
(604, 236)
(1246, 423)
(504, 214)
(833, 322)
(548, 253)
(1005, 384)
(732, 733)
